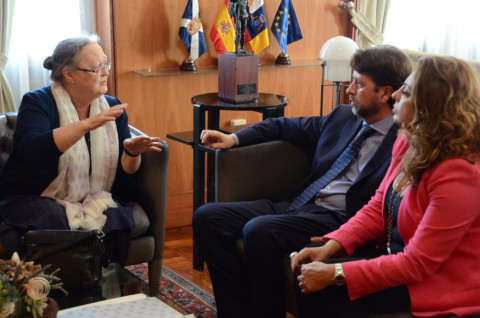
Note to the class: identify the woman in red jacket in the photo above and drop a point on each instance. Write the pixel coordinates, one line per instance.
(425, 216)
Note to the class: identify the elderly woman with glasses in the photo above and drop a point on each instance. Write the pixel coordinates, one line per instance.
(72, 146)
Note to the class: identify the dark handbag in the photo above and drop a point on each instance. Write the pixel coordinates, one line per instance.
(78, 254)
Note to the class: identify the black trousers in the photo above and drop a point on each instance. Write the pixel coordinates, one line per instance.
(254, 287)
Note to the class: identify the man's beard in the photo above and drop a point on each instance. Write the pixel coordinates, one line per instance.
(365, 112)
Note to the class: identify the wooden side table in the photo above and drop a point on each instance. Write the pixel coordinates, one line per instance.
(206, 114)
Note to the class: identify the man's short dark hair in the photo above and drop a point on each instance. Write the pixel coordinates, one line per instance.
(385, 64)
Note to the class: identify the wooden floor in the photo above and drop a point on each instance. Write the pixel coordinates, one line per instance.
(178, 256)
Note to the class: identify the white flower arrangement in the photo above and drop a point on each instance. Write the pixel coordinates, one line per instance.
(24, 287)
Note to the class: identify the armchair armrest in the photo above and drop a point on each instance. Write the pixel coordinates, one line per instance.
(268, 170)
(7, 127)
(151, 184)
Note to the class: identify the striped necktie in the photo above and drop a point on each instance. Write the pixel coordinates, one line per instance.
(338, 166)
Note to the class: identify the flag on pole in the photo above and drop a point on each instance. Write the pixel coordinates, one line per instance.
(285, 26)
(257, 27)
(223, 31)
(191, 30)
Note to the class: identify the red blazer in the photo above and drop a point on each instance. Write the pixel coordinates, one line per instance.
(440, 225)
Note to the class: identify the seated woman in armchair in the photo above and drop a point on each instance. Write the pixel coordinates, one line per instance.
(426, 213)
(71, 144)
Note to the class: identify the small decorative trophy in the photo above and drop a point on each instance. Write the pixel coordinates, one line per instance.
(238, 72)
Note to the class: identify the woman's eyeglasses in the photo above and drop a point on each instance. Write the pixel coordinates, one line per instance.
(97, 70)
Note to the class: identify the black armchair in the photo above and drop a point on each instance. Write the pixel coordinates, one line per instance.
(269, 170)
(149, 209)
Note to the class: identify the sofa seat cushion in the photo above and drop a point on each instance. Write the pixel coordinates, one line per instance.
(141, 220)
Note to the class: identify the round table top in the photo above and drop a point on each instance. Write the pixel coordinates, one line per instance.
(264, 100)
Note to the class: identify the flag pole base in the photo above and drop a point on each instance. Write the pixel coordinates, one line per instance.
(188, 65)
(283, 59)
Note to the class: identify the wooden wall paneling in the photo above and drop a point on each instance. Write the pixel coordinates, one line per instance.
(145, 36)
(104, 23)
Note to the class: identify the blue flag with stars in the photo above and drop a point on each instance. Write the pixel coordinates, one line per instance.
(285, 26)
(191, 30)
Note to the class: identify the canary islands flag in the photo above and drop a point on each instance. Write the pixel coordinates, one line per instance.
(257, 27)
(285, 26)
(223, 31)
(191, 30)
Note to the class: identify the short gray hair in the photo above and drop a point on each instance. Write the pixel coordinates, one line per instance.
(64, 54)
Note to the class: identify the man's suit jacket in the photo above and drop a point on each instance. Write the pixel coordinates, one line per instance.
(330, 135)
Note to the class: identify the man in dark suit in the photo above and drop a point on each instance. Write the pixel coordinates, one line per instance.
(271, 230)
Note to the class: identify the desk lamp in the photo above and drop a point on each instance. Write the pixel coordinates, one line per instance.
(336, 54)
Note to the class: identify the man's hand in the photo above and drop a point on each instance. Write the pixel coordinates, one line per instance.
(217, 140)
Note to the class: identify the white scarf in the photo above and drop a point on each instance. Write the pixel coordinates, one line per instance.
(85, 196)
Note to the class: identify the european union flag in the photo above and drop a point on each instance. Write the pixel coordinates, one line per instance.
(285, 26)
(191, 30)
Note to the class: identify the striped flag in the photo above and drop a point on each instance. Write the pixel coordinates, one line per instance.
(223, 31)
(285, 26)
(191, 30)
(257, 27)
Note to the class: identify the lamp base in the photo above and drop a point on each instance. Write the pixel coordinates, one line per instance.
(283, 59)
(188, 65)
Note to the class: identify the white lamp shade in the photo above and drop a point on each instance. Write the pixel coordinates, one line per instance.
(337, 53)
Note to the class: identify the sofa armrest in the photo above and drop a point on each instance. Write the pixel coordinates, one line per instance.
(7, 128)
(268, 170)
(151, 184)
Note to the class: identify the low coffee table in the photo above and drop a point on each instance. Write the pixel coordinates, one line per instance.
(116, 282)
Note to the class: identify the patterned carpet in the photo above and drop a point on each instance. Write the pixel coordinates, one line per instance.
(181, 292)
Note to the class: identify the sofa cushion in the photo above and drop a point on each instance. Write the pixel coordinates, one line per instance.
(141, 220)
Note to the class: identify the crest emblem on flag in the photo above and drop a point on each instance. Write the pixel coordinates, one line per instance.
(224, 27)
(193, 26)
(259, 22)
